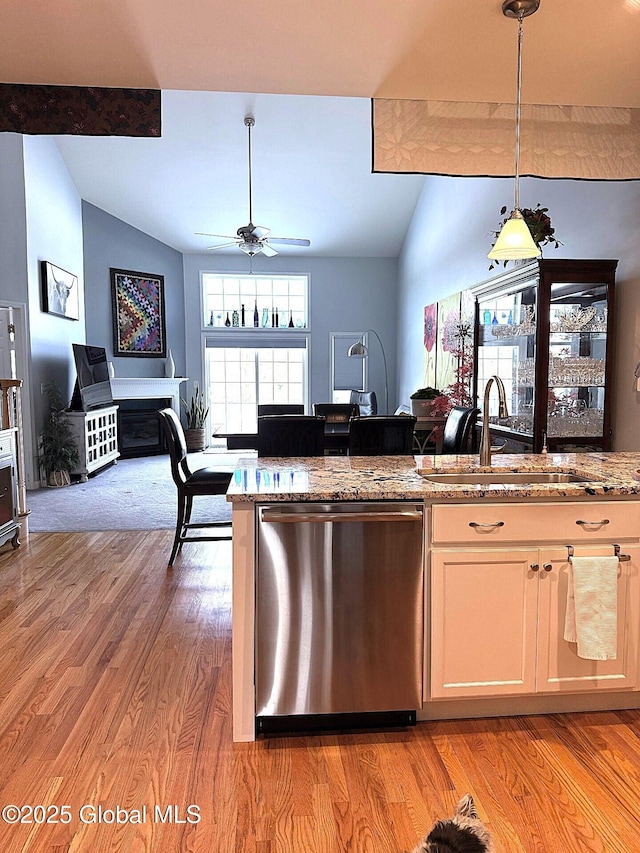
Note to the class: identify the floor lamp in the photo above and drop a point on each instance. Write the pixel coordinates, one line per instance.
(359, 350)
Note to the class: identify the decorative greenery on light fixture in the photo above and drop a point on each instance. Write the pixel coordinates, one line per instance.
(515, 241)
(539, 224)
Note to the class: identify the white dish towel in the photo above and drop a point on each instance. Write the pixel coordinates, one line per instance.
(592, 604)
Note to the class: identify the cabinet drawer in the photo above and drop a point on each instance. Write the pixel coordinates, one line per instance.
(549, 522)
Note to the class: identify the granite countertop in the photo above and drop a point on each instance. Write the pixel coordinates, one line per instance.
(356, 478)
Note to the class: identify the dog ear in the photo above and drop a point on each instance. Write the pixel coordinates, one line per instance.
(467, 807)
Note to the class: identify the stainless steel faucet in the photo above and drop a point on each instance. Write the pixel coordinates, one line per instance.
(485, 439)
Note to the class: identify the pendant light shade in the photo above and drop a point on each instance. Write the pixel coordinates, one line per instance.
(515, 241)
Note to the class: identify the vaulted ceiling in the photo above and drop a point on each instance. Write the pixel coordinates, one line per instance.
(311, 154)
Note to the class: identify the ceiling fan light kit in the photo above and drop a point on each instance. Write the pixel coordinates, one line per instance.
(515, 241)
(253, 239)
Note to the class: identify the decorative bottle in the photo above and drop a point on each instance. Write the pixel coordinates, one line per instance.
(211, 318)
(291, 326)
(494, 322)
(242, 314)
(169, 366)
(265, 318)
(486, 317)
(227, 322)
(256, 317)
(235, 321)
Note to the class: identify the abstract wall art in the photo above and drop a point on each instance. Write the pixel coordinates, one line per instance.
(139, 325)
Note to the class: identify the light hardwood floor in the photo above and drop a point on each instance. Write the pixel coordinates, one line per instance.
(115, 687)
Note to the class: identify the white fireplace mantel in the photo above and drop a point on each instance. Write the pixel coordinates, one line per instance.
(146, 389)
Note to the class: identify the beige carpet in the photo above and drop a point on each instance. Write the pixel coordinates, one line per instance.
(132, 494)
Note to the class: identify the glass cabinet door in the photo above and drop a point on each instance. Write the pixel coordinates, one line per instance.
(546, 328)
(578, 317)
(507, 348)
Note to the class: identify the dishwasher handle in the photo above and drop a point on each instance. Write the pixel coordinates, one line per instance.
(276, 515)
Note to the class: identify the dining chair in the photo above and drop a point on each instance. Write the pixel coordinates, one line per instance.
(455, 438)
(336, 429)
(367, 402)
(280, 409)
(202, 481)
(381, 435)
(336, 413)
(290, 435)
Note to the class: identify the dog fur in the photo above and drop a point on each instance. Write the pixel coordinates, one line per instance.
(464, 832)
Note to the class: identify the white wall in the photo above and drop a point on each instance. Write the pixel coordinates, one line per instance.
(450, 235)
(346, 294)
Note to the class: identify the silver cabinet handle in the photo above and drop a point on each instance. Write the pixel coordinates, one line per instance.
(547, 567)
(487, 524)
(593, 523)
(534, 567)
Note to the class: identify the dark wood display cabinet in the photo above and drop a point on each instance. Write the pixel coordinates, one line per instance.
(547, 329)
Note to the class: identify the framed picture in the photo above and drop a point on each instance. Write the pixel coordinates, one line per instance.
(59, 292)
(139, 326)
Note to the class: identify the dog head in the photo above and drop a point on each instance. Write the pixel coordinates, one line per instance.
(461, 833)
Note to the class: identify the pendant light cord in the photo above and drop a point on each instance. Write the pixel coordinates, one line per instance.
(518, 111)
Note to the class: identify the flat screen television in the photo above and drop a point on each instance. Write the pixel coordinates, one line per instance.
(93, 388)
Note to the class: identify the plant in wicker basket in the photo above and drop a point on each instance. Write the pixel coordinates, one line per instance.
(58, 449)
(196, 411)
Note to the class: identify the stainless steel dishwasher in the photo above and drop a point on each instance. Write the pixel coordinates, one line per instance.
(339, 608)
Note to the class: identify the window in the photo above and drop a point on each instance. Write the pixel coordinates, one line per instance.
(254, 301)
(239, 378)
(247, 365)
(347, 374)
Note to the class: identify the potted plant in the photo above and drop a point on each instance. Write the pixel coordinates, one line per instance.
(58, 449)
(196, 411)
(422, 401)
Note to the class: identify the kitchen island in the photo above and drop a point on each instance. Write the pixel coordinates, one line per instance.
(494, 584)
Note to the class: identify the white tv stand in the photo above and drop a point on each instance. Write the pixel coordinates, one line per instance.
(96, 436)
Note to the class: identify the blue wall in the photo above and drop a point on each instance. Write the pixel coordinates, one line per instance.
(109, 242)
(450, 235)
(346, 295)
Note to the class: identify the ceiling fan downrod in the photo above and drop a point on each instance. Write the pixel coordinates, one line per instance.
(249, 123)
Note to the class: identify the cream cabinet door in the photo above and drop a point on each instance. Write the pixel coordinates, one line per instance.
(559, 668)
(483, 622)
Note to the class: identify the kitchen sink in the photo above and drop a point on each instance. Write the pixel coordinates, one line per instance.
(502, 478)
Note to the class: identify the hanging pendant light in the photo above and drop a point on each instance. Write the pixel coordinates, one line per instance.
(515, 241)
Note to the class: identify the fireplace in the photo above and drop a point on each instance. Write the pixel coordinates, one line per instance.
(140, 432)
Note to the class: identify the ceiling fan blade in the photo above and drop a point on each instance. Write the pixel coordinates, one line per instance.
(222, 245)
(268, 251)
(259, 231)
(207, 234)
(290, 241)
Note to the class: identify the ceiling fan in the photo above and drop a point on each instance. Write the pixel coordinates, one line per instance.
(252, 239)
